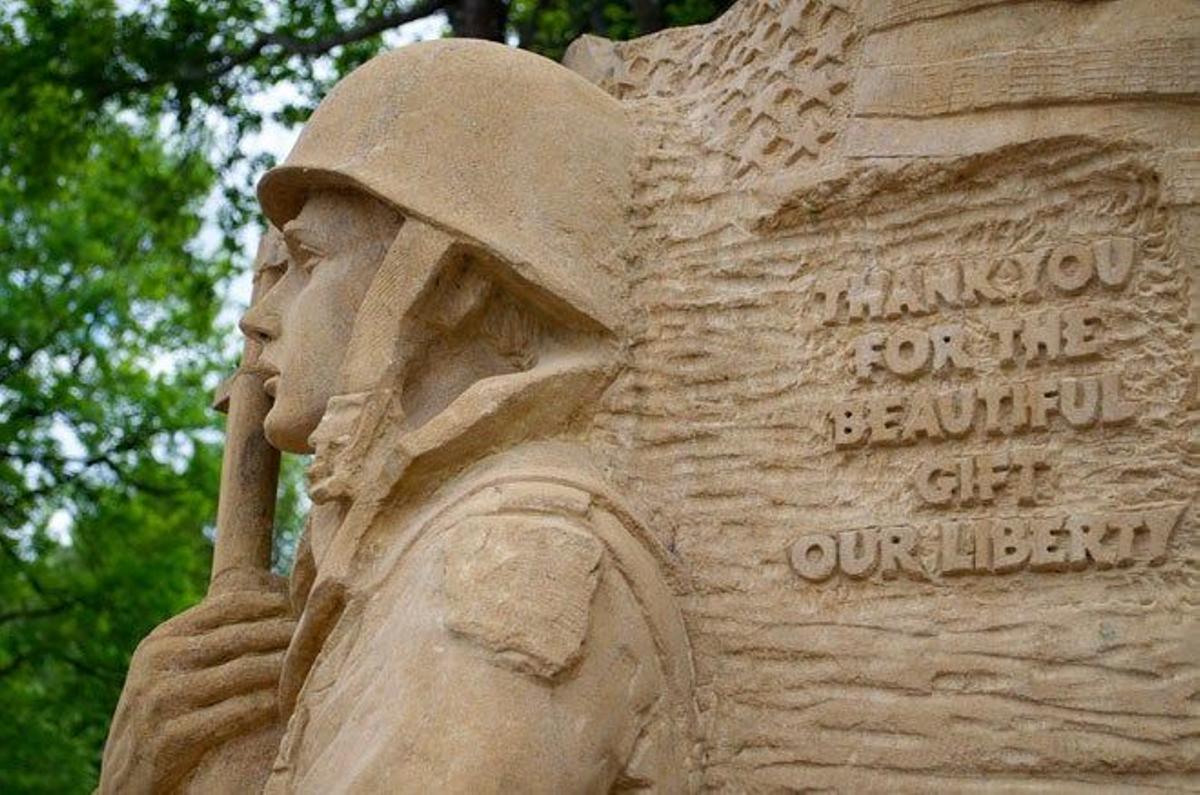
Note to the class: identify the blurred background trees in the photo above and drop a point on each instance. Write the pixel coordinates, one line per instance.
(126, 209)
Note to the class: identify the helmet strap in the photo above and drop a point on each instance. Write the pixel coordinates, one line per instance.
(369, 375)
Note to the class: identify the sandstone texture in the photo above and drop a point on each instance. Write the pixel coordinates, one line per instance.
(806, 401)
(869, 614)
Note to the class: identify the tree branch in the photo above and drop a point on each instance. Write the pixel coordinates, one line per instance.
(13, 664)
(26, 355)
(22, 567)
(88, 669)
(36, 612)
(286, 44)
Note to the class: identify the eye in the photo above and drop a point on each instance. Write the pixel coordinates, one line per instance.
(307, 256)
(267, 276)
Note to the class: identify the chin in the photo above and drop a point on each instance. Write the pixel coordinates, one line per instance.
(286, 434)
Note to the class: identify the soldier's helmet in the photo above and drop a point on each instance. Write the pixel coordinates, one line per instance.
(505, 149)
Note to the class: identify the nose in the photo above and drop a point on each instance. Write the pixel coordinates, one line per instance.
(261, 321)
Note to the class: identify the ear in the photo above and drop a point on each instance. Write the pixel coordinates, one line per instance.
(473, 323)
(558, 311)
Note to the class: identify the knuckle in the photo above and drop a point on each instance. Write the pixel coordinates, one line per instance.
(153, 657)
(148, 644)
(156, 699)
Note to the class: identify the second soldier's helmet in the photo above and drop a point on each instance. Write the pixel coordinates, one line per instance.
(505, 149)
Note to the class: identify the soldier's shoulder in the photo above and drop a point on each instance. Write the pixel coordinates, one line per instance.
(527, 495)
(550, 480)
(524, 548)
(521, 585)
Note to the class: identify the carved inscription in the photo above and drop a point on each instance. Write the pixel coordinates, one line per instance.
(976, 480)
(882, 294)
(1005, 358)
(991, 545)
(996, 408)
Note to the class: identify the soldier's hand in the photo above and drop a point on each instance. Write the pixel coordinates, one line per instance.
(198, 681)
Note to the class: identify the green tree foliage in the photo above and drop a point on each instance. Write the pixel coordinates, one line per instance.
(119, 123)
(548, 26)
(97, 286)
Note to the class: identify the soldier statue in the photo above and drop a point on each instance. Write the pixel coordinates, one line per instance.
(473, 607)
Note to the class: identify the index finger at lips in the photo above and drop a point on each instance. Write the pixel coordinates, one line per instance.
(232, 608)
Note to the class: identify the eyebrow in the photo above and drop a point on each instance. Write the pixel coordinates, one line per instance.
(296, 233)
(276, 256)
(268, 263)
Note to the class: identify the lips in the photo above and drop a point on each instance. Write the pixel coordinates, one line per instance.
(269, 374)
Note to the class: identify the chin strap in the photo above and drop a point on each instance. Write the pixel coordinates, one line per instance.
(368, 395)
(379, 338)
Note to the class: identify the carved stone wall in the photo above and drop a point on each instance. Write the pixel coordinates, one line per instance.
(913, 386)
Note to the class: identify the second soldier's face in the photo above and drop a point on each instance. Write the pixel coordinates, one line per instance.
(305, 320)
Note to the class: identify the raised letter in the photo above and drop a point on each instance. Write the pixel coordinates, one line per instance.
(1080, 325)
(849, 424)
(966, 481)
(956, 422)
(1125, 525)
(1087, 536)
(987, 467)
(1042, 333)
(866, 354)
(942, 286)
(851, 562)
(934, 482)
(1161, 523)
(981, 531)
(1030, 263)
(1043, 398)
(1010, 545)
(976, 276)
(897, 547)
(1048, 553)
(1005, 329)
(1070, 268)
(993, 396)
(830, 291)
(1026, 463)
(921, 420)
(814, 557)
(954, 560)
(1079, 413)
(885, 419)
(1112, 409)
(947, 347)
(907, 352)
(865, 294)
(905, 295)
(1114, 260)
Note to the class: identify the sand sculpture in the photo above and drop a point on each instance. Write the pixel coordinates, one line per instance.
(805, 400)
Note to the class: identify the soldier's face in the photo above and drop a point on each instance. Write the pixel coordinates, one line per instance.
(304, 322)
